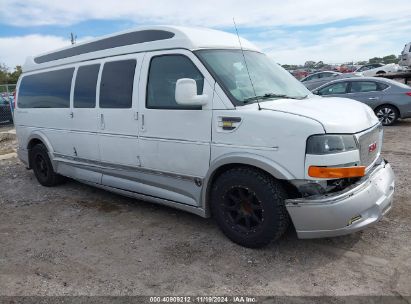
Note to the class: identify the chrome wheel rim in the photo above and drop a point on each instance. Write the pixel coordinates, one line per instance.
(386, 116)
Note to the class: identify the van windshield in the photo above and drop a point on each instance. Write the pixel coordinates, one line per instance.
(270, 81)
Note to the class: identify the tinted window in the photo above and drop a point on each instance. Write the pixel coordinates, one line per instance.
(116, 87)
(3, 101)
(85, 89)
(337, 88)
(312, 77)
(382, 86)
(364, 86)
(326, 74)
(46, 90)
(163, 75)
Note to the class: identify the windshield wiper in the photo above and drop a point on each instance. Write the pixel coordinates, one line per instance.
(271, 95)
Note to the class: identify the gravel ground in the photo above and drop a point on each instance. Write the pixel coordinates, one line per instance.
(77, 240)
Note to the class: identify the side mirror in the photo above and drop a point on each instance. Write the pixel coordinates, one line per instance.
(186, 93)
(316, 92)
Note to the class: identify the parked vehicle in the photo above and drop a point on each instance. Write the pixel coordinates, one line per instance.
(316, 80)
(389, 99)
(405, 58)
(186, 118)
(5, 111)
(299, 74)
(377, 69)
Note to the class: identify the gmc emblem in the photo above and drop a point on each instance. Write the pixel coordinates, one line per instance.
(372, 147)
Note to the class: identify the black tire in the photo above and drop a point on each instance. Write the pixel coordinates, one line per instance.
(245, 192)
(42, 167)
(387, 114)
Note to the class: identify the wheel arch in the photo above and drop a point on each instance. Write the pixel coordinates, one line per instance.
(38, 138)
(227, 162)
(388, 104)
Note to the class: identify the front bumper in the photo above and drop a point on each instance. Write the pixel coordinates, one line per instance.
(347, 211)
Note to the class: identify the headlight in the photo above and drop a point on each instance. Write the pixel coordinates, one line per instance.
(328, 144)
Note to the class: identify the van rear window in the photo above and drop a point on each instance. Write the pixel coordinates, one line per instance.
(46, 90)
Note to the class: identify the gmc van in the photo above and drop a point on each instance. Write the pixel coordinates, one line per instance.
(194, 119)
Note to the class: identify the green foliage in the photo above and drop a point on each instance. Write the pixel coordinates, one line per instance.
(390, 59)
(14, 76)
(7, 77)
(3, 74)
(375, 60)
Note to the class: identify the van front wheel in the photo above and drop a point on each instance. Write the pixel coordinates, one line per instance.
(42, 167)
(248, 206)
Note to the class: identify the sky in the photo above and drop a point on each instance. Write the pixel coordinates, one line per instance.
(290, 31)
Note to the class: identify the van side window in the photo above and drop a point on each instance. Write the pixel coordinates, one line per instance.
(164, 72)
(85, 89)
(46, 90)
(116, 87)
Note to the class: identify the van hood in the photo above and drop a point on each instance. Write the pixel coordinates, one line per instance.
(336, 115)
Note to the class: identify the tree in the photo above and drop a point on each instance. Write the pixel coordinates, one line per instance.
(375, 60)
(309, 64)
(390, 59)
(14, 76)
(3, 74)
(9, 78)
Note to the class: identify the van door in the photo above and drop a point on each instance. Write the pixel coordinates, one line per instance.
(174, 139)
(117, 119)
(84, 130)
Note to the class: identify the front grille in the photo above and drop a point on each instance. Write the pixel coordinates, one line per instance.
(366, 140)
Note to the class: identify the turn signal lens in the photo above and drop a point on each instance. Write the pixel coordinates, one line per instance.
(408, 93)
(330, 172)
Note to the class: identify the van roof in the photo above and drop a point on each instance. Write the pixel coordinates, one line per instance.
(148, 38)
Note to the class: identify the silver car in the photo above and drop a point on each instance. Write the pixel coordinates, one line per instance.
(389, 99)
(316, 80)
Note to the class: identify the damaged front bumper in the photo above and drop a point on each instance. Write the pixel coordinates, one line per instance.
(346, 211)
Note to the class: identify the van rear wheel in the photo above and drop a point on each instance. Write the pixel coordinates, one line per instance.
(248, 206)
(42, 167)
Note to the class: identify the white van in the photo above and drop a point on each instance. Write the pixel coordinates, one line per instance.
(405, 57)
(186, 118)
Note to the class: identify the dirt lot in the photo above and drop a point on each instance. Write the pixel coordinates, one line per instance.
(77, 240)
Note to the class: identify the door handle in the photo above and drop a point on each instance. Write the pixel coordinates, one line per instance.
(102, 124)
(373, 98)
(142, 123)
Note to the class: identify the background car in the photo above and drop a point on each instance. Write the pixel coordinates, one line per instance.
(316, 80)
(5, 111)
(405, 58)
(389, 99)
(377, 69)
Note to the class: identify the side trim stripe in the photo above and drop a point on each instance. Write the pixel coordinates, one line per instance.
(78, 161)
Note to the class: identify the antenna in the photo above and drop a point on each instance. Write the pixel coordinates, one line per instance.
(73, 38)
(245, 61)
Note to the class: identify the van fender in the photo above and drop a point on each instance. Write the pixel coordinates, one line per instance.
(258, 161)
(43, 138)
